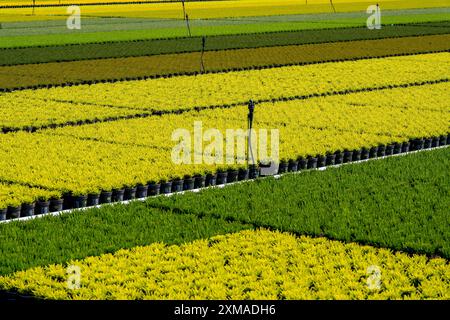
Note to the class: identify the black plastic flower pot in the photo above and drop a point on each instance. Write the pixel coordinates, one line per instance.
(27, 210)
(293, 165)
(331, 158)
(232, 176)
(93, 199)
(397, 148)
(442, 140)
(405, 146)
(188, 184)
(153, 189)
(13, 212)
(221, 178)
(321, 161)
(141, 191)
(435, 142)
(253, 172)
(79, 201)
(211, 180)
(243, 174)
(130, 193)
(56, 205)
(106, 197)
(117, 195)
(177, 185)
(338, 157)
(389, 151)
(42, 207)
(348, 156)
(312, 163)
(283, 167)
(166, 187)
(199, 182)
(302, 163)
(381, 150)
(356, 155)
(373, 152)
(3, 214)
(427, 143)
(364, 154)
(67, 201)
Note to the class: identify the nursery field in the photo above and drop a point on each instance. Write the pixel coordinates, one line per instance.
(90, 118)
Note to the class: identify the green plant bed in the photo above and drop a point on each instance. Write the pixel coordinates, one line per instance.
(400, 203)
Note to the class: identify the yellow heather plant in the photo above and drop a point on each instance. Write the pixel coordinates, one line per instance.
(187, 92)
(129, 152)
(247, 265)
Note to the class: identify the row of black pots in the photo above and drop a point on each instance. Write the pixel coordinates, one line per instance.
(339, 157)
(219, 178)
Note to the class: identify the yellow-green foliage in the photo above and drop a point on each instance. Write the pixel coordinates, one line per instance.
(58, 105)
(230, 87)
(247, 265)
(209, 9)
(135, 151)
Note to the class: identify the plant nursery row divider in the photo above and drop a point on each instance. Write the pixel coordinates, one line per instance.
(277, 176)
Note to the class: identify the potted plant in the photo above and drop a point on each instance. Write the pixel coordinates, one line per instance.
(56, 203)
(211, 179)
(330, 158)
(348, 156)
(338, 157)
(27, 209)
(188, 183)
(42, 205)
(321, 161)
(177, 184)
(118, 194)
(130, 193)
(199, 181)
(283, 166)
(302, 163)
(141, 191)
(3, 214)
(221, 176)
(292, 165)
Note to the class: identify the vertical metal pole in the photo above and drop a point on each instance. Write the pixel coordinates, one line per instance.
(203, 51)
(187, 23)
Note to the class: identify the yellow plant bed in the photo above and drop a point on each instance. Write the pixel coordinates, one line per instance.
(14, 195)
(247, 265)
(216, 9)
(186, 92)
(127, 152)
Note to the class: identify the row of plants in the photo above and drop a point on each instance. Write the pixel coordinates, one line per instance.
(55, 202)
(248, 265)
(81, 72)
(127, 156)
(87, 51)
(232, 88)
(13, 196)
(399, 203)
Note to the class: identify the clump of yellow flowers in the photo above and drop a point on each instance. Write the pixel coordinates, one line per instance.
(254, 264)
